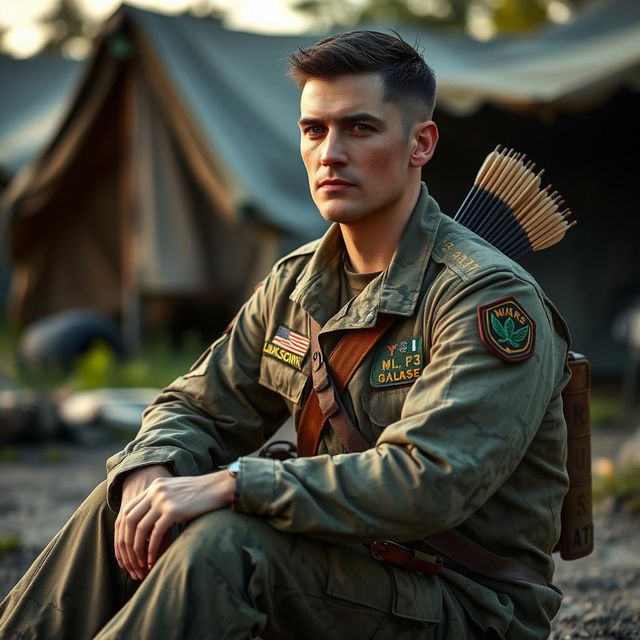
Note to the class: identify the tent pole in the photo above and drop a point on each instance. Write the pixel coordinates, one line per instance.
(131, 314)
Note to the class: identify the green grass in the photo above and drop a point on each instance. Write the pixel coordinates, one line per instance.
(155, 366)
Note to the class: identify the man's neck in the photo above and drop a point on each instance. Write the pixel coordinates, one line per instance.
(372, 241)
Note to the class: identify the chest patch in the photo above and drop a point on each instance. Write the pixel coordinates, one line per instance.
(397, 363)
(288, 346)
(507, 329)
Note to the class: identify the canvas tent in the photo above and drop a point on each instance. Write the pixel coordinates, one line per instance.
(160, 182)
(35, 92)
(176, 172)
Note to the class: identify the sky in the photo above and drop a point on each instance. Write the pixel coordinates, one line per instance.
(26, 32)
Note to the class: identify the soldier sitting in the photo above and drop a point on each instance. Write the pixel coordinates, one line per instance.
(453, 420)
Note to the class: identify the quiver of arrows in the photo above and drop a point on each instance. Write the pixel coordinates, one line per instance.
(508, 207)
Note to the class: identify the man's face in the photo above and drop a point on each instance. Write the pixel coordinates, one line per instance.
(354, 146)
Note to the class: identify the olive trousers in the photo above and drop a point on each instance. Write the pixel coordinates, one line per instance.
(226, 576)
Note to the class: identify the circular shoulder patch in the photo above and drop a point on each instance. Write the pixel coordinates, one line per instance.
(507, 329)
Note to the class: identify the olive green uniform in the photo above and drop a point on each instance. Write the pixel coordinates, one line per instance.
(463, 438)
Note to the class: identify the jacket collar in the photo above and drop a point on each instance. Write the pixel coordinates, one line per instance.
(394, 291)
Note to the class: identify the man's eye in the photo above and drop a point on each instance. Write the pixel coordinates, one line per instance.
(361, 127)
(315, 130)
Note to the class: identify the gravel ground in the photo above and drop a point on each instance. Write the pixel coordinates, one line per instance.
(602, 591)
(43, 485)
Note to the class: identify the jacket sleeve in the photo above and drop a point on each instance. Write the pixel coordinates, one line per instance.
(465, 425)
(213, 414)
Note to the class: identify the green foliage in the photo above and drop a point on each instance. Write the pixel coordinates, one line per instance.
(507, 16)
(157, 364)
(95, 368)
(351, 12)
(9, 543)
(519, 16)
(623, 485)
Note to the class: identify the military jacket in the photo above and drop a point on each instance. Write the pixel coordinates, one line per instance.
(460, 400)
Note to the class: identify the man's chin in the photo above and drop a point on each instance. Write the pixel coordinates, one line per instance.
(340, 214)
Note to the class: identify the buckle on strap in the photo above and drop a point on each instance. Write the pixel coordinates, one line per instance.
(405, 557)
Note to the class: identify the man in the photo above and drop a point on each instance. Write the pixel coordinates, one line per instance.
(464, 419)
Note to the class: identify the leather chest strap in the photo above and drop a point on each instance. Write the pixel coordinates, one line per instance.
(330, 379)
(323, 404)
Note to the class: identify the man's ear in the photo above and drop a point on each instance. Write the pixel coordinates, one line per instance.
(424, 138)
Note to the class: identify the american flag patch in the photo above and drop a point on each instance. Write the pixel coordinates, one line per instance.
(291, 341)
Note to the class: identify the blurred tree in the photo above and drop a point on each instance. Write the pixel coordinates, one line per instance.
(519, 16)
(70, 26)
(482, 18)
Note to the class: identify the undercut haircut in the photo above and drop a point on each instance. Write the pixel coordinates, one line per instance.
(407, 79)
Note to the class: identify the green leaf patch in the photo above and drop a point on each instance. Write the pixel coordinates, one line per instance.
(507, 329)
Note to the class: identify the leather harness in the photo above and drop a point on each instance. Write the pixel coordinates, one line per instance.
(450, 548)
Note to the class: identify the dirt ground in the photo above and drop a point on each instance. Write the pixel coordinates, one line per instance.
(40, 486)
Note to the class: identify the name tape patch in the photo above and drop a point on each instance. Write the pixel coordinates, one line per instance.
(507, 329)
(288, 346)
(397, 363)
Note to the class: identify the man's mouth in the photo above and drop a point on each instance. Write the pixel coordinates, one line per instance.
(334, 184)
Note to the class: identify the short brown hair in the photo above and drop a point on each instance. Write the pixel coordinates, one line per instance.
(406, 76)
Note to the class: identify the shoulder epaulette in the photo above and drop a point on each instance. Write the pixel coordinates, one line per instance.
(468, 255)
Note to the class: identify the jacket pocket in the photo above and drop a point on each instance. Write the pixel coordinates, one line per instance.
(366, 582)
(417, 597)
(282, 379)
(384, 407)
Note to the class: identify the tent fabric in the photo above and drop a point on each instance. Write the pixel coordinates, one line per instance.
(236, 87)
(65, 232)
(246, 110)
(111, 211)
(174, 170)
(182, 248)
(35, 92)
(561, 65)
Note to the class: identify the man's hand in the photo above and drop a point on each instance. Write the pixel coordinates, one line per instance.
(134, 483)
(144, 522)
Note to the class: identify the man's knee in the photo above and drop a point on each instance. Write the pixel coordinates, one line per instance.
(225, 537)
(94, 512)
(246, 553)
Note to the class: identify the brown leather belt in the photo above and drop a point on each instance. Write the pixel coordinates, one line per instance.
(405, 557)
(323, 405)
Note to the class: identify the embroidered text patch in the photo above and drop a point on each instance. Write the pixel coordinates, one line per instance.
(288, 346)
(397, 363)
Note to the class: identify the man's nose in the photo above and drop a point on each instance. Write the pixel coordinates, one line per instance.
(333, 151)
